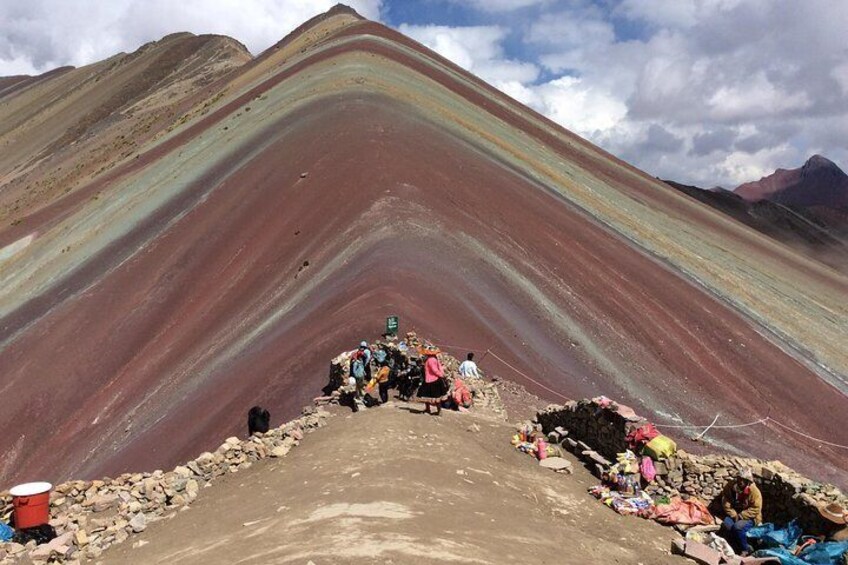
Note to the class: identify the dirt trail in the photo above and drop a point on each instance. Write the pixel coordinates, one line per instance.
(391, 485)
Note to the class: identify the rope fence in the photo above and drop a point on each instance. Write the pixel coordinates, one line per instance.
(762, 421)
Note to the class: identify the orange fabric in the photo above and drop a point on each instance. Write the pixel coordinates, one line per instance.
(679, 511)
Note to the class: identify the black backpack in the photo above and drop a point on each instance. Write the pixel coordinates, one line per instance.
(258, 420)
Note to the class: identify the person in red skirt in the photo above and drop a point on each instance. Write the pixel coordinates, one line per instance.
(434, 391)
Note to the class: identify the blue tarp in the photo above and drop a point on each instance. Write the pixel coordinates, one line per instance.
(770, 537)
(6, 532)
(826, 553)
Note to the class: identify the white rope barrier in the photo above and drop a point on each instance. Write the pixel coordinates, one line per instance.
(712, 426)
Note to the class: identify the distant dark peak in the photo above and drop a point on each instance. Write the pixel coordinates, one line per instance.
(818, 164)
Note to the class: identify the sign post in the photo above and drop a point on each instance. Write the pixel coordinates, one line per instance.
(392, 323)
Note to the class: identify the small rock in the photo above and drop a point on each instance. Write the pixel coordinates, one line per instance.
(182, 471)
(138, 523)
(81, 538)
(279, 451)
(556, 464)
(101, 503)
(702, 554)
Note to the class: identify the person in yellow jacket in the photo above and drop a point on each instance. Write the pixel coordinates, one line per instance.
(382, 379)
(742, 503)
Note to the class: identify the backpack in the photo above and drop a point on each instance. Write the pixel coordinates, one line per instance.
(358, 369)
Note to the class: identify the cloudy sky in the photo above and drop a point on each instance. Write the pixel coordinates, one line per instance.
(709, 92)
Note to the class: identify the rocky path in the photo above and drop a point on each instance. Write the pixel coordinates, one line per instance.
(391, 485)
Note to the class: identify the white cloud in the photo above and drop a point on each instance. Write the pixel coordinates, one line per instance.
(579, 106)
(477, 49)
(742, 167)
(42, 34)
(746, 85)
(754, 98)
(503, 5)
(569, 30)
(840, 75)
(674, 13)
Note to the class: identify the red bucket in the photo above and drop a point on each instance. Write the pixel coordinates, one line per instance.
(32, 504)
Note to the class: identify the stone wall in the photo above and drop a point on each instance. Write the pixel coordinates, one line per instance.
(90, 516)
(596, 431)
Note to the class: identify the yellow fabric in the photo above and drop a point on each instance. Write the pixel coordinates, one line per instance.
(661, 447)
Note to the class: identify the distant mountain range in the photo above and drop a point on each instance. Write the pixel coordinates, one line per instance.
(805, 208)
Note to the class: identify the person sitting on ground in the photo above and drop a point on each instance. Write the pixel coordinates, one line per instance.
(462, 397)
(468, 368)
(434, 391)
(837, 521)
(742, 503)
(382, 379)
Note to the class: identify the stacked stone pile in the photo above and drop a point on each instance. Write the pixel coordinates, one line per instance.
(90, 516)
(604, 428)
(596, 430)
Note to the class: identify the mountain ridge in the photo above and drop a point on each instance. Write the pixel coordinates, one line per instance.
(293, 203)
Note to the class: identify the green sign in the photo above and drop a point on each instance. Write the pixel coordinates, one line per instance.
(392, 325)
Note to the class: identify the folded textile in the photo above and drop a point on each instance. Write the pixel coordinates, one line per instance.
(679, 511)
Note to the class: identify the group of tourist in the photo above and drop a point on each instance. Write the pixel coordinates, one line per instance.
(422, 377)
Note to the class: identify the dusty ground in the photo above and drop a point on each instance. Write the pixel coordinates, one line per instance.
(391, 485)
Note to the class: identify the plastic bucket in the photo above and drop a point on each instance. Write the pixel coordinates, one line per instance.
(31, 502)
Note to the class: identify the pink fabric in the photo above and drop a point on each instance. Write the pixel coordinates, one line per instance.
(433, 370)
(679, 511)
(647, 469)
(461, 394)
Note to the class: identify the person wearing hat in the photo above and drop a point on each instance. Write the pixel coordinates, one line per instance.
(434, 391)
(742, 503)
(837, 520)
(364, 354)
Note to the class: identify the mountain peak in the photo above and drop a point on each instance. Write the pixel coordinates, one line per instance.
(342, 9)
(819, 182)
(818, 163)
